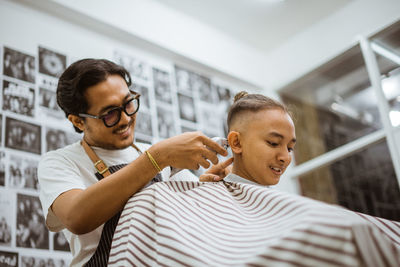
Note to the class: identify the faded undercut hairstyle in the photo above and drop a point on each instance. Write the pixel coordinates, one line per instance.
(244, 102)
(81, 75)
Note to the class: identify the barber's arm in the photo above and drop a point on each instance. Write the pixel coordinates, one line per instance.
(81, 211)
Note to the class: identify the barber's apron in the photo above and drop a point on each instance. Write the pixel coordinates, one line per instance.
(100, 257)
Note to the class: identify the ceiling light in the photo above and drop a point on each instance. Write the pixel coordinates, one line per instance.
(394, 116)
(391, 87)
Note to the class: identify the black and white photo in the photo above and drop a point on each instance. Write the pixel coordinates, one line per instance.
(35, 261)
(143, 124)
(5, 232)
(22, 172)
(225, 100)
(224, 94)
(6, 211)
(2, 168)
(136, 68)
(8, 259)
(31, 231)
(182, 78)
(22, 135)
(51, 63)
(143, 140)
(186, 108)
(162, 86)
(18, 98)
(202, 85)
(166, 126)
(56, 138)
(6, 218)
(19, 65)
(48, 103)
(60, 242)
(144, 95)
(47, 82)
(185, 129)
(1, 129)
(211, 120)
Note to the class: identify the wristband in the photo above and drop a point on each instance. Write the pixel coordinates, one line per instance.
(153, 161)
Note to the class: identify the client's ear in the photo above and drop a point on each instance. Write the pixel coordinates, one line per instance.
(234, 142)
(76, 121)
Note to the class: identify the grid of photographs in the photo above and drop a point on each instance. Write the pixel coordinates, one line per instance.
(28, 104)
(173, 100)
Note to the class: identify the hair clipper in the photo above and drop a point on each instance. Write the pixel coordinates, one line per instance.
(220, 140)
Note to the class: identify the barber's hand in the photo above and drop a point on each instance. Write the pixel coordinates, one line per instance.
(187, 151)
(217, 172)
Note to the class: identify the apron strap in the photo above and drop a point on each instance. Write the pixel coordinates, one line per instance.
(98, 163)
(102, 253)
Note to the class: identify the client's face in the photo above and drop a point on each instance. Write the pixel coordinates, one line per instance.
(267, 143)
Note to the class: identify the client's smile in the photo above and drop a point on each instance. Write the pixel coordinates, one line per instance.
(276, 169)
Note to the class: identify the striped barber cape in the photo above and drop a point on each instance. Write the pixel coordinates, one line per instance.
(234, 224)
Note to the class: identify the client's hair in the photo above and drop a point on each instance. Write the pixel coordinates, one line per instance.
(245, 102)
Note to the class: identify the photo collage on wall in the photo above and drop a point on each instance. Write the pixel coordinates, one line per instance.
(173, 100)
(28, 109)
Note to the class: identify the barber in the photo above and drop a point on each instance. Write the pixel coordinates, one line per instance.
(84, 186)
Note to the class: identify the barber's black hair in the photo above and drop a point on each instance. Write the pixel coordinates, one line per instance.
(244, 101)
(81, 75)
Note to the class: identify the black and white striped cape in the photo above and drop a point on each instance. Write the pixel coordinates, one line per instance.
(233, 224)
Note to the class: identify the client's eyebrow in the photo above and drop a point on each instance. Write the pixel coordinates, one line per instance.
(276, 134)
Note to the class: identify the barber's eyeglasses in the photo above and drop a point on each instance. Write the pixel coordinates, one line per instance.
(113, 116)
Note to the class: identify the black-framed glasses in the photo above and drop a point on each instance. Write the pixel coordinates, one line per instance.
(113, 116)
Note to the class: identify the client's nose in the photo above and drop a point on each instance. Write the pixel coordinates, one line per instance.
(284, 156)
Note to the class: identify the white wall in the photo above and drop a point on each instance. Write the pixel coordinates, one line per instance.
(151, 21)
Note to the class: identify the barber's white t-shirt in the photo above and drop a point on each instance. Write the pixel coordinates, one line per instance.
(70, 168)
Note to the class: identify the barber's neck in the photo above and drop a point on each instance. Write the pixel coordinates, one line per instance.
(107, 145)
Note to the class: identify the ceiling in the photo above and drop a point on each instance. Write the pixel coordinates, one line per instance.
(262, 24)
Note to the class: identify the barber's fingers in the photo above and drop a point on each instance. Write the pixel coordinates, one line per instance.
(210, 155)
(226, 163)
(209, 178)
(214, 146)
(202, 161)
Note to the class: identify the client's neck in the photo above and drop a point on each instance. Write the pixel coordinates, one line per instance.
(239, 170)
